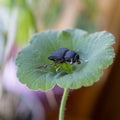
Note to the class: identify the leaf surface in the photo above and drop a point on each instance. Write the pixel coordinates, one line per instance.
(95, 51)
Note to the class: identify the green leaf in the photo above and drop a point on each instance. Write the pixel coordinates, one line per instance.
(95, 51)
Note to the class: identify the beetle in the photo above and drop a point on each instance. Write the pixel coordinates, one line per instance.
(64, 55)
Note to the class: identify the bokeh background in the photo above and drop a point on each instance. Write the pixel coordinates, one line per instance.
(19, 20)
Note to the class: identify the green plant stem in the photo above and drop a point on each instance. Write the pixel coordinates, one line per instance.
(63, 103)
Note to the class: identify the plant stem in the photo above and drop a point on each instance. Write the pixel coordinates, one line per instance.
(63, 103)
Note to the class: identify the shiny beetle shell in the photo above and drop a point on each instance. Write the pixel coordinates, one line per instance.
(64, 55)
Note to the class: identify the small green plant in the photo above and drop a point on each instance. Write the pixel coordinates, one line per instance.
(95, 51)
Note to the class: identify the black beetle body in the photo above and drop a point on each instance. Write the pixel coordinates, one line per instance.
(62, 55)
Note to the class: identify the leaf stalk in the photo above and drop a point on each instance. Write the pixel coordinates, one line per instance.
(63, 103)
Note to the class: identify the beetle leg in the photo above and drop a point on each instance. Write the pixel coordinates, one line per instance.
(71, 62)
(78, 61)
(57, 69)
(60, 61)
(52, 64)
(44, 66)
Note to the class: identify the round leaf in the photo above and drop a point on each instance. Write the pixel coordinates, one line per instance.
(95, 51)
